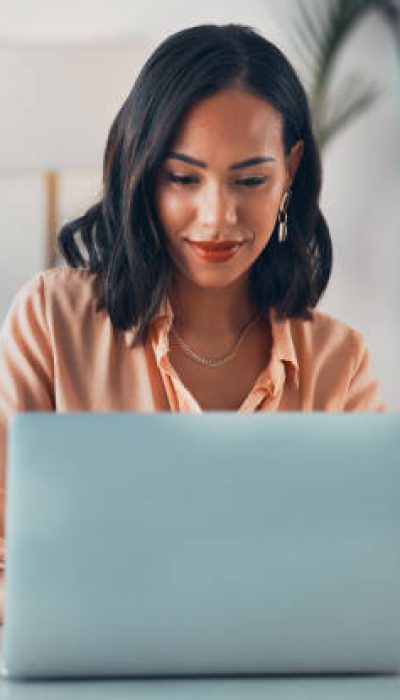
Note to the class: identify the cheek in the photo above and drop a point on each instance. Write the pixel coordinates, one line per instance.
(174, 212)
(260, 213)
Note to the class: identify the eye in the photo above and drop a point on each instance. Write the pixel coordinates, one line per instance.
(252, 181)
(181, 179)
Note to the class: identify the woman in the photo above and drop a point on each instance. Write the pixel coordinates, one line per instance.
(192, 284)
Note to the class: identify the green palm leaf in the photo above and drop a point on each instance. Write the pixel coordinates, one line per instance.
(355, 106)
(321, 31)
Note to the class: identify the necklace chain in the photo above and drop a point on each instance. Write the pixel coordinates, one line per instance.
(220, 361)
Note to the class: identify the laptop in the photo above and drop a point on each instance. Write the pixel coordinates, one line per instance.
(202, 544)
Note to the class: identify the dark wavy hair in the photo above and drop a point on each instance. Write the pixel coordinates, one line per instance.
(120, 238)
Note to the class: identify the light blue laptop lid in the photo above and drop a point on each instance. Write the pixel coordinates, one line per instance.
(219, 543)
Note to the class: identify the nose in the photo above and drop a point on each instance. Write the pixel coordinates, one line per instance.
(216, 207)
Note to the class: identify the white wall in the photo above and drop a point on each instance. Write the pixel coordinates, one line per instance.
(361, 166)
(21, 232)
(57, 104)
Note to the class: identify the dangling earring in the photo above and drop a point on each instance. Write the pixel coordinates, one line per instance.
(282, 216)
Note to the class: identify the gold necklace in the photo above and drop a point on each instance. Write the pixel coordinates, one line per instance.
(221, 361)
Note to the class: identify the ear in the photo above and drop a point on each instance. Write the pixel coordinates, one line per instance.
(293, 160)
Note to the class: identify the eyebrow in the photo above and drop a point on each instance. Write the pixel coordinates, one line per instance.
(248, 163)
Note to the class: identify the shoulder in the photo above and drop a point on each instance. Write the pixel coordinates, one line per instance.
(54, 299)
(327, 336)
(326, 330)
(68, 286)
(58, 282)
(64, 288)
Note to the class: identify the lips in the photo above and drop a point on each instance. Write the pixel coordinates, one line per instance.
(211, 245)
(215, 252)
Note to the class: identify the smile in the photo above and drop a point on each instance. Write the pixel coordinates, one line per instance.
(215, 252)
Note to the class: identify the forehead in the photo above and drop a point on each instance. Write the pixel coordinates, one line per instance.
(232, 119)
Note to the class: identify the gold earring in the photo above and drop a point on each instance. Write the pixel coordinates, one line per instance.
(282, 216)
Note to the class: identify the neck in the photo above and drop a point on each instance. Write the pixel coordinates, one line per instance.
(211, 311)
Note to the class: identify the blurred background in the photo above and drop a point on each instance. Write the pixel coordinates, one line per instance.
(67, 66)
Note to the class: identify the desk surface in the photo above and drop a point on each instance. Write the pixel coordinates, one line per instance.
(294, 688)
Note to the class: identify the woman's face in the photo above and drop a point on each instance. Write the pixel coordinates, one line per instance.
(223, 181)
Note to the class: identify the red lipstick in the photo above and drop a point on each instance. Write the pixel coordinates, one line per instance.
(215, 252)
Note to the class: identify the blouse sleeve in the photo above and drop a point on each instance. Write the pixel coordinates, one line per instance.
(26, 370)
(363, 392)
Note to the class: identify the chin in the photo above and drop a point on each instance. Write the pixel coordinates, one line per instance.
(215, 279)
